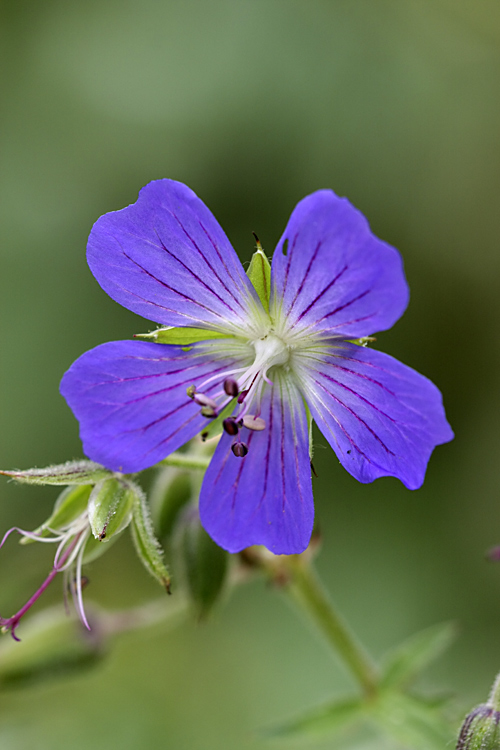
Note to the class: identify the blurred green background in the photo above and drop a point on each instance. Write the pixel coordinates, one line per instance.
(254, 104)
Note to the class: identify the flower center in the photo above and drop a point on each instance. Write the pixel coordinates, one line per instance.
(247, 384)
(269, 351)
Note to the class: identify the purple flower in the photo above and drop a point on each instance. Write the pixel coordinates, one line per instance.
(288, 355)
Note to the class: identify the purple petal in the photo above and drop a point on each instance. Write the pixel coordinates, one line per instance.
(333, 274)
(265, 497)
(166, 258)
(130, 399)
(380, 417)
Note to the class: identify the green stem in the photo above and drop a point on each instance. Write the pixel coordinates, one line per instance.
(309, 593)
(494, 699)
(186, 461)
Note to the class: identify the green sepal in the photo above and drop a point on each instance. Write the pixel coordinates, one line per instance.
(404, 663)
(110, 507)
(72, 472)
(363, 341)
(481, 729)
(214, 427)
(412, 722)
(259, 273)
(172, 490)
(204, 564)
(52, 645)
(326, 720)
(181, 336)
(70, 504)
(146, 544)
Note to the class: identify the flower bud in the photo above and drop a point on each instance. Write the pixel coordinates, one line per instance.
(480, 730)
(173, 488)
(110, 508)
(204, 563)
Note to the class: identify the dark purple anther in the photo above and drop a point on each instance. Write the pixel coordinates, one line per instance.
(231, 387)
(242, 396)
(239, 449)
(230, 426)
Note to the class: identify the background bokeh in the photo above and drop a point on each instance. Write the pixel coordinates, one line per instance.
(254, 104)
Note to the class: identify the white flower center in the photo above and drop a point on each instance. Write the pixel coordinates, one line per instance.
(269, 351)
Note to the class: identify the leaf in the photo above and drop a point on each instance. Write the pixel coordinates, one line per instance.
(321, 721)
(407, 660)
(72, 472)
(259, 273)
(146, 544)
(181, 336)
(412, 722)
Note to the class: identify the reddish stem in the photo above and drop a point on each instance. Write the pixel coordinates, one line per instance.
(13, 622)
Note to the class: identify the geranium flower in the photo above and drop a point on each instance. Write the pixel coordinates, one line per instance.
(285, 354)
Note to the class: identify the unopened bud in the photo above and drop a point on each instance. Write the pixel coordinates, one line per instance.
(481, 728)
(231, 387)
(110, 508)
(204, 563)
(170, 493)
(239, 449)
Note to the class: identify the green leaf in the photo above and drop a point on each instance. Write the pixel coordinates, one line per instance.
(215, 425)
(412, 722)
(321, 721)
(146, 544)
(407, 660)
(70, 504)
(72, 472)
(259, 273)
(110, 507)
(181, 336)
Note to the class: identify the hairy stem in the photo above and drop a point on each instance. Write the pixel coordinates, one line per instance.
(186, 461)
(308, 592)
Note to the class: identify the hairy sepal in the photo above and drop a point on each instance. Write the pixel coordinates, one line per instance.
(146, 544)
(181, 336)
(72, 472)
(259, 273)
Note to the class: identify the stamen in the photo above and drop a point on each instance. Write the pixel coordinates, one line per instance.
(209, 412)
(243, 396)
(231, 387)
(203, 400)
(252, 422)
(230, 426)
(239, 449)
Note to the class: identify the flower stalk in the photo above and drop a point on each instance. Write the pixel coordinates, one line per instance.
(299, 579)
